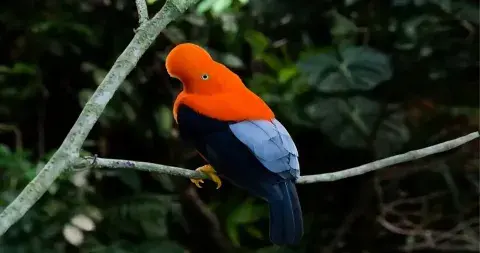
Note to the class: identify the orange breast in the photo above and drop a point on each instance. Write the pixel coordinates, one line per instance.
(226, 106)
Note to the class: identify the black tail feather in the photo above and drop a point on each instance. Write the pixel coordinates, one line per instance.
(286, 222)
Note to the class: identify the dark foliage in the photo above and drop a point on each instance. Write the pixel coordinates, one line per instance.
(353, 81)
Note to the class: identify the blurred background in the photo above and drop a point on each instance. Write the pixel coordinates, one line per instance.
(353, 81)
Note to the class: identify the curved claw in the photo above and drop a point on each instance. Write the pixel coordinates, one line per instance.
(197, 182)
(207, 169)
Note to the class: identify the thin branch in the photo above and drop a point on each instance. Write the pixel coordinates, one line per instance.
(326, 177)
(66, 156)
(420, 226)
(142, 11)
(379, 164)
(145, 166)
(204, 224)
(16, 132)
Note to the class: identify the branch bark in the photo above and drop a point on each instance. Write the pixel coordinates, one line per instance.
(326, 177)
(389, 161)
(68, 153)
(142, 11)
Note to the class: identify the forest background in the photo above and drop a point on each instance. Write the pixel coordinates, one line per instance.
(354, 81)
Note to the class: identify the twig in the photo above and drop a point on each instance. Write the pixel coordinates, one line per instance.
(379, 164)
(16, 132)
(67, 155)
(204, 223)
(453, 239)
(142, 11)
(145, 166)
(425, 227)
(326, 177)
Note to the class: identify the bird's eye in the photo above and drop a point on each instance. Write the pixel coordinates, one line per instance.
(205, 77)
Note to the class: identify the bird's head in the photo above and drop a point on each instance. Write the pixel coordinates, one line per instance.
(198, 72)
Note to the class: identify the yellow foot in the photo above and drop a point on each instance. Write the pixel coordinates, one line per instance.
(207, 169)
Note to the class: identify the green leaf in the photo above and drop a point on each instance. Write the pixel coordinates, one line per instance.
(98, 75)
(129, 112)
(342, 26)
(220, 6)
(271, 60)
(19, 68)
(335, 118)
(84, 95)
(233, 234)
(247, 213)
(205, 5)
(232, 60)
(466, 11)
(4, 150)
(255, 232)
(130, 178)
(23, 68)
(257, 41)
(154, 229)
(415, 28)
(169, 247)
(4, 69)
(164, 120)
(41, 26)
(349, 123)
(216, 7)
(260, 82)
(391, 135)
(229, 23)
(445, 5)
(195, 19)
(244, 214)
(286, 74)
(359, 68)
(84, 30)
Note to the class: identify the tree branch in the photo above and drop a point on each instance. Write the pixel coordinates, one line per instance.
(142, 11)
(389, 161)
(326, 177)
(145, 166)
(68, 153)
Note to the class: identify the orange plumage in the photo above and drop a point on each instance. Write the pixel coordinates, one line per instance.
(211, 88)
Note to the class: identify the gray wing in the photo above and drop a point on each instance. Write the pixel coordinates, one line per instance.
(271, 143)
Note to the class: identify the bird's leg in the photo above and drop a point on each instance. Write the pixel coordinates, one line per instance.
(207, 169)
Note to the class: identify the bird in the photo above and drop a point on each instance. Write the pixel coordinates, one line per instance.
(238, 136)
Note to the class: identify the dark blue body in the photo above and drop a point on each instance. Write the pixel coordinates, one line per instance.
(234, 161)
